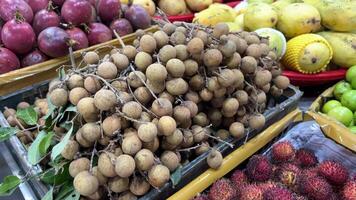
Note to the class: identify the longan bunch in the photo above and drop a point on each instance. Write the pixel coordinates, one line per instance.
(146, 108)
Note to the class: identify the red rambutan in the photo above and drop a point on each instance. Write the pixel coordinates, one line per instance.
(238, 178)
(287, 175)
(305, 158)
(268, 185)
(250, 192)
(334, 172)
(316, 188)
(283, 152)
(349, 191)
(222, 190)
(259, 168)
(201, 197)
(278, 193)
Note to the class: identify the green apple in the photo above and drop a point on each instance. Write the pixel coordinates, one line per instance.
(330, 105)
(353, 83)
(340, 88)
(352, 129)
(348, 99)
(341, 114)
(351, 73)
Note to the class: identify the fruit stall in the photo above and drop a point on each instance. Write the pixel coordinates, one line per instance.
(178, 100)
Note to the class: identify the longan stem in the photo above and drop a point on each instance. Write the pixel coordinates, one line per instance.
(119, 38)
(190, 148)
(71, 56)
(129, 118)
(92, 156)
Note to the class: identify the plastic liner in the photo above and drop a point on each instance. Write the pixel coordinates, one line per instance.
(300, 79)
(301, 134)
(332, 128)
(18, 79)
(276, 110)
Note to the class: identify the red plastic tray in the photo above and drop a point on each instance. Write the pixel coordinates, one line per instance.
(301, 79)
(190, 17)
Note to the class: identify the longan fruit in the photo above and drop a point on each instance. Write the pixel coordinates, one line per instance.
(91, 57)
(101, 178)
(213, 83)
(175, 68)
(262, 77)
(241, 111)
(132, 109)
(156, 72)
(120, 60)
(161, 38)
(127, 196)
(111, 124)
(201, 119)
(241, 44)
(199, 133)
(177, 38)
(69, 151)
(239, 78)
(176, 138)
(272, 55)
(191, 67)
(220, 29)
(143, 95)
(254, 50)
(166, 125)
(248, 65)
(170, 159)
(107, 70)
(227, 48)
(77, 94)
(129, 51)
(252, 39)
(125, 97)
(198, 57)
(166, 53)
(266, 88)
(195, 45)
(147, 132)
(192, 96)
(118, 151)
(276, 71)
(181, 114)
(97, 195)
(212, 58)
(53, 84)
(264, 49)
(275, 91)
(131, 144)
(152, 146)
(203, 36)
(80, 139)
(169, 28)
(177, 86)
(214, 114)
(74, 81)
(118, 184)
(222, 134)
(139, 186)
(144, 159)
(105, 140)
(261, 97)
(136, 78)
(156, 86)
(182, 52)
(230, 105)
(206, 95)
(282, 82)
(234, 62)
(181, 29)
(106, 164)
(143, 60)
(120, 85)
(241, 96)
(78, 165)
(197, 82)
(162, 107)
(166, 95)
(105, 99)
(92, 84)
(220, 92)
(9, 112)
(91, 132)
(148, 44)
(85, 183)
(188, 139)
(59, 97)
(193, 108)
(237, 130)
(226, 77)
(214, 159)
(204, 147)
(158, 175)
(124, 166)
(256, 121)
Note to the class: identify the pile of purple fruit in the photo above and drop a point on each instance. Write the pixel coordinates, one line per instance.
(33, 31)
(289, 174)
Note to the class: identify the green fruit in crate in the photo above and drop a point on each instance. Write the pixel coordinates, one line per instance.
(277, 41)
(348, 99)
(352, 129)
(341, 88)
(351, 74)
(353, 83)
(260, 1)
(298, 18)
(260, 15)
(330, 105)
(341, 114)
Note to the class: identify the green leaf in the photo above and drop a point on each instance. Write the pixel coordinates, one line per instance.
(28, 115)
(7, 132)
(73, 196)
(176, 175)
(45, 143)
(58, 148)
(56, 177)
(65, 189)
(34, 154)
(61, 73)
(51, 109)
(9, 184)
(71, 108)
(49, 195)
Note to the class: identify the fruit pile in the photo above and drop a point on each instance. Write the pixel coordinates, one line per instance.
(129, 119)
(343, 109)
(290, 174)
(36, 30)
